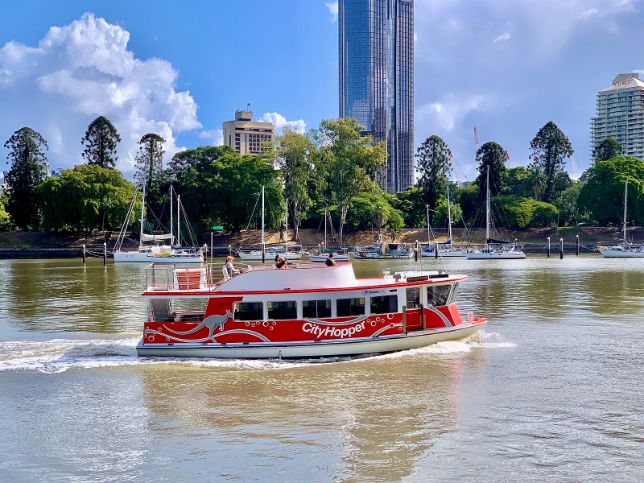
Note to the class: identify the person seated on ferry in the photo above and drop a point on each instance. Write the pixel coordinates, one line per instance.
(232, 271)
(280, 262)
(330, 262)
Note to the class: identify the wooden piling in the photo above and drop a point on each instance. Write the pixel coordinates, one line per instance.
(436, 250)
(104, 253)
(577, 246)
(416, 250)
(548, 248)
(560, 248)
(84, 255)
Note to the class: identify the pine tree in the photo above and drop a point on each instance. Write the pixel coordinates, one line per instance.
(491, 155)
(28, 169)
(100, 141)
(434, 160)
(550, 148)
(149, 168)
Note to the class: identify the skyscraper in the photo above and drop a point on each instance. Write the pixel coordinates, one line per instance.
(376, 43)
(620, 114)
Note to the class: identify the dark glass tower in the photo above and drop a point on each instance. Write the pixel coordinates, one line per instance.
(376, 41)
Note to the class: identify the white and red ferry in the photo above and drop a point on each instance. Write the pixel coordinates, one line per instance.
(303, 311)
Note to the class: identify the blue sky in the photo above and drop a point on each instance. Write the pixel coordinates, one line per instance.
(182, 68)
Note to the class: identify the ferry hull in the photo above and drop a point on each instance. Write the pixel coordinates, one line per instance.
(327, 348)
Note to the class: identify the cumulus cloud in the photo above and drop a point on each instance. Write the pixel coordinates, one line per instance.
(83, 70)
(281, 123)
(450, 111)
(214, 136)
(504, 37)
(333, 10)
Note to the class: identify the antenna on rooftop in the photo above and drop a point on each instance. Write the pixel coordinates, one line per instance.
(248, 106)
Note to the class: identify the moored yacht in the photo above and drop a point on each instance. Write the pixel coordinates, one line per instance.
(303, 311)
(625, 250)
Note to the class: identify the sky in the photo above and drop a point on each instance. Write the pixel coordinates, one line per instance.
(180, 69)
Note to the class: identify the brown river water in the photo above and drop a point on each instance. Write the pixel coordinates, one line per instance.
(551, 390)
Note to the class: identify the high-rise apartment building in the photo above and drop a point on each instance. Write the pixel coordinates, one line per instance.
(376, 42)
(620, 114)
(246, 136)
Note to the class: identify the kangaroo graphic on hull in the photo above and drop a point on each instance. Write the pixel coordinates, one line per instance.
(212, 322)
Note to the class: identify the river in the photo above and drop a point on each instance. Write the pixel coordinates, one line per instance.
(552, 390)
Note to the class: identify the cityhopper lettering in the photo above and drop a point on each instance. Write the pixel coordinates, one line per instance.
(338, 332)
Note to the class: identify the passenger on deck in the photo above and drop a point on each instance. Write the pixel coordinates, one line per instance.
(330, 262)
(230, 268)
(280, 262)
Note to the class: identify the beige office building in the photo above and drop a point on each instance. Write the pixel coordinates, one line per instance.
(620, 114)
(246, 136)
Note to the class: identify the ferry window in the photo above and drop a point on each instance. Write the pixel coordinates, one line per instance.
(413, 298)
(348, 307)
(282, 310)
(249, 311)
(452, 296)
(385, 304)
(316, 308)
(437, 296)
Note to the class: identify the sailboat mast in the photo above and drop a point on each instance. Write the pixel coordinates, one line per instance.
(449, 217)
(625, 205)
(179, 220)
(429, 241)
(142, 213)
(262, 217)
(326, 214)
(487, 207)
(171, 218)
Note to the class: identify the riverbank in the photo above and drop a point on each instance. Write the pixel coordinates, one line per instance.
(69, 245)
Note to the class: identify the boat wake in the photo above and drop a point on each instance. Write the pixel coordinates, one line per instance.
(59, 355)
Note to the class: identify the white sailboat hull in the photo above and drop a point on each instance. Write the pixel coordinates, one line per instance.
(146, 257)
(621, 253)
(257, 255)
(324, 257)
(446, 253)
(511, 255)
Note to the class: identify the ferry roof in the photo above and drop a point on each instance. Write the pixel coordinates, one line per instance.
(266, 279)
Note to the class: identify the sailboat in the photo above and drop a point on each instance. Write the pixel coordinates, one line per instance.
(625, 250)
(494, 250)
(165, 253)
(270, 252)
(322, 256)
(445, 249)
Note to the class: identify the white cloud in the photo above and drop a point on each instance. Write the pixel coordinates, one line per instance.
(504, 37)
(281, 123)
(83, 70)
(450, 111)
(333, 10)
(215, 136)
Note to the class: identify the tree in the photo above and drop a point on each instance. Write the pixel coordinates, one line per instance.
(294, 157)
(491, 155)
(5, 219)
(219, 186)
(517, 181)
(100, 141)
(567, 204)
(85, 198)
(603, 193)
(411, 204)
(521, 212)
(349, 161)
(28, 168)
(607, 149)
(434, 160)
(468, 197)
(550, 148)
(441, 217)
(149, 168)
(374, 210)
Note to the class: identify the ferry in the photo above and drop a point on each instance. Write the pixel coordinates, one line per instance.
(306, 310)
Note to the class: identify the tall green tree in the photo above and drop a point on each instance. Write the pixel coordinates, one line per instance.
(28, 167)
(219, 186)
(491, 155)
(5, 219)
(603, 193)
(608, 148)
(85, 198)
(294, 155)
(434, 161)
(411, 204)
(149, 168)
(100, 141)
(550, 149)
(349, 162)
